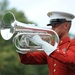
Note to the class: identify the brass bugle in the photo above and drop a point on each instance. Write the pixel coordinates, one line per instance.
(10, 26)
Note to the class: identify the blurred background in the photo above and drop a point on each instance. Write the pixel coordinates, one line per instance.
(28, 11)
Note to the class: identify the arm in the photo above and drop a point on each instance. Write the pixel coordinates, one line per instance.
(47, 47)
(33, 58)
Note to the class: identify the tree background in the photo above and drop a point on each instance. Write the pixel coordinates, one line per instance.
(9, 60)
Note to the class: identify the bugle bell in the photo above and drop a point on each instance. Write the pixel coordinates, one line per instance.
(10, 26)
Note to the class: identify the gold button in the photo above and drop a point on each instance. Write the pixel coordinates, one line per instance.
(58, 50)
(64, 52)
(54, 70)
(60, 41)
(54, 64)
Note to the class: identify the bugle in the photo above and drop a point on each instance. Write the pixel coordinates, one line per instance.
(10, 26)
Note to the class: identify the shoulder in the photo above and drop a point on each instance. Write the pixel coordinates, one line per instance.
(72, 41)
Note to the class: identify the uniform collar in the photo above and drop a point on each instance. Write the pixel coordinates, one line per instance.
(67, 39)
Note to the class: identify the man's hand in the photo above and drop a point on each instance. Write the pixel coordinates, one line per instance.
(48, 48)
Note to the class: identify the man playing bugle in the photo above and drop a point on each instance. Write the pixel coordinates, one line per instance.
(60, 60)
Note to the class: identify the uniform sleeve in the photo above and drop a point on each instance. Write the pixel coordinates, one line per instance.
(33, 58)
(67, 57)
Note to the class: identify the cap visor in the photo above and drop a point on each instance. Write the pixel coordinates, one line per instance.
(49, 25)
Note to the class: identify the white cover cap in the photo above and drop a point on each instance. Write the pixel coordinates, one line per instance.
(60, 15)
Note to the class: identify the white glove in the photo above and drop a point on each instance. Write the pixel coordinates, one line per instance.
(48, 48)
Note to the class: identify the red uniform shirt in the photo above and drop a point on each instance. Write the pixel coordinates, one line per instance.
(60, 62)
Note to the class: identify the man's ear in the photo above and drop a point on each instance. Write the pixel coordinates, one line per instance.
(66, 25)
